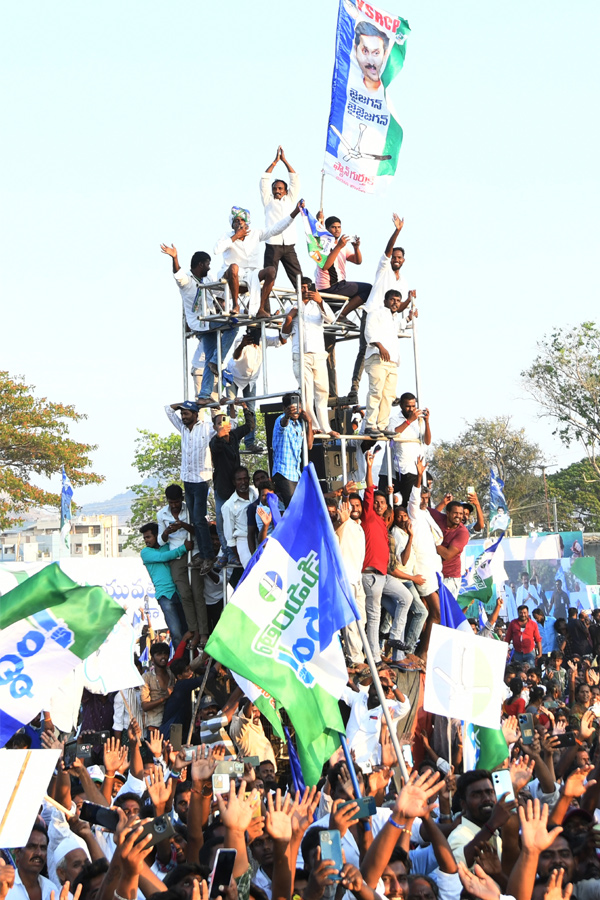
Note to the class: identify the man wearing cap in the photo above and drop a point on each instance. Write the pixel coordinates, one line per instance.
(240, 260)
(288, 437)
(213, 724)
(242, 372)
(412, 433)
(279, 203)
(196, 472)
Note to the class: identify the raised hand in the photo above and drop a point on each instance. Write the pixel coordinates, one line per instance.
(586, 726)
(389, 758)
(511, 730)
(134, 731)
(133, 849)
(521, 772)
(50, 742)
(7, 878)
(204, 763)
(421, 465)
(574, 785)
(236, 811)
(155, 742)
(303, 811)
(398, 222)
(554, 888)
(342, 817)
(159, 792)
(412, 801)
(170, 251)
(321, 876)
(489, 860)
(115, 756)
(535, 837)
(264, 515)
(478, 883)
(351, 878)
(278, 822)
(65, 892)
(344, 511)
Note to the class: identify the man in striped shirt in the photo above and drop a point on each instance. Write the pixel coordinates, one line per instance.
(196, 473)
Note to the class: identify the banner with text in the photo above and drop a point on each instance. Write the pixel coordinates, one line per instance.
(364, 135)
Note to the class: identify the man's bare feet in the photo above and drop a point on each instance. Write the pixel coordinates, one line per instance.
(263, 314)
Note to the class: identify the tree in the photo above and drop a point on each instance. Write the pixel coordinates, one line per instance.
(467, 461)
(565, 380)
(577, 492)
(34, 440)
(158, 461)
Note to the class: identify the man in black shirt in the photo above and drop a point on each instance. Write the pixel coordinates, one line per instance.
(225, 453)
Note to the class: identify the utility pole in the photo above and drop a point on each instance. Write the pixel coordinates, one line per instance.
(543, 468)
(554, 510)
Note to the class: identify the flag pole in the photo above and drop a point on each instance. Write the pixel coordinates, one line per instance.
(352, 773)
(416, 354)
(381, 696)
(322, 188)
(13, 795)
(197, 702)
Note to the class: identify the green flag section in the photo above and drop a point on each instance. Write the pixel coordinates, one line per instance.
(484, 748)
(477, 584)
(49, 624)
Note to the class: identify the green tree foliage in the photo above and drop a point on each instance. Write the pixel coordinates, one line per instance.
(565, 380)
(34, 440)
(577, 492)
(158, 461)
(467, 461)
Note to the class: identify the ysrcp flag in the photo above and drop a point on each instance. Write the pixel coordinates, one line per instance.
(477, 584)
(49, 624)
(286, 614)
(66, 498)
(319, 241)
(364, 135)
(499, 517)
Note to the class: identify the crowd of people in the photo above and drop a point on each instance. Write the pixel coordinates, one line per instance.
(184, 799)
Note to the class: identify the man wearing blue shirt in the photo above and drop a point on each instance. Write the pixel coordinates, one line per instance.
(157, 559)
(288, 435)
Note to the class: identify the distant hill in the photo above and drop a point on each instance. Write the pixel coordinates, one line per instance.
(119, 505)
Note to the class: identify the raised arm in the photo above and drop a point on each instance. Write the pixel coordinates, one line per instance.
(172, 252)
(398, 226)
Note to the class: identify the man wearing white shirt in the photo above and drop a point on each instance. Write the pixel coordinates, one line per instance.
(240, 259)
(351, 538)
(174, 527)
(363, 731)
(314, 312)
(412, 432)
(388, 276)
(527, 594)
(381, 362)
(243, 370)
(235, 519)
(279, 202)
(29, 883)
(196, 472)
(190, 287)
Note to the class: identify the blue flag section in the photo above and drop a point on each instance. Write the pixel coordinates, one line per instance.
(451, 615)
(497, 498)
(66, 498)
(306, 529)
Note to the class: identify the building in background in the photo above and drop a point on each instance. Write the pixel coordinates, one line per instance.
(91, 536)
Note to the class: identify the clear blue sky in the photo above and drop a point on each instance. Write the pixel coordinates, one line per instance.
(128, 124)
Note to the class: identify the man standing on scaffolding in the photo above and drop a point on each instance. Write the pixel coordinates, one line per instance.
(279, 202)
(240, 259)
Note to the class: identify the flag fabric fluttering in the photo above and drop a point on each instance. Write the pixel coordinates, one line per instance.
(66, 498)
(499, 517)
(363, 134)
(49, 624)
(319, 241)
(477, 584)
(451, 615)
(484, 748)
(286, 613)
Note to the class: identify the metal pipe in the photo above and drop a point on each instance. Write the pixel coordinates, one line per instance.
(381, 696)
(555, 511)
(388, 457)
(263, 344)
(344, 461)
(228, 298)
(300, 317)
(219, 365)
(416, 357)
(185, 356)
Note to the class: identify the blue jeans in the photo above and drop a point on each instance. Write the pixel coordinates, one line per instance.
(196, 494)
(172, 610)
(231, 392)
(519, 657)
(417, 615)
(209, 344)
(397, 600)
(229, 552)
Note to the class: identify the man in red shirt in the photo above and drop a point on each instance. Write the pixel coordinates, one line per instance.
(378, 585)
(456, 537)
(525, 637)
